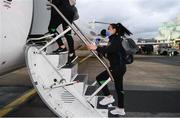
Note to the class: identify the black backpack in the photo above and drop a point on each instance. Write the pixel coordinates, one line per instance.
(131, 48)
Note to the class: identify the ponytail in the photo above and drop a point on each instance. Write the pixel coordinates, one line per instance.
(121, 30)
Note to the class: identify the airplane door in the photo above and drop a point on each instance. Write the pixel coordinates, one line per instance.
(16, 18)
(41, 17)
(0, 32)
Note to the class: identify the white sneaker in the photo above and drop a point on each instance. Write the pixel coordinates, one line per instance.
(118, 111)
(107, 101)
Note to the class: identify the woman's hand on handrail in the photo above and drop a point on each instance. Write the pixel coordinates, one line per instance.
(91, 47)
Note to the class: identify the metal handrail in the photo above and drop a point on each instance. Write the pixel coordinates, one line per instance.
(56, 38)
(86, 41)
(40, 38)
(99, 89)
(85, 58)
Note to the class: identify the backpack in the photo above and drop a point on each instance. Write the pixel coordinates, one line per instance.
(131, 48)
(76, 14)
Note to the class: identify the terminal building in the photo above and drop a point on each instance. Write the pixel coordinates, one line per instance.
(169, 32)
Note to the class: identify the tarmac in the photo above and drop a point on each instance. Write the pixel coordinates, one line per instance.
(152, 88)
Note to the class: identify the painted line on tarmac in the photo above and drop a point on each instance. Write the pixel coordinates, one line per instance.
(14, 104)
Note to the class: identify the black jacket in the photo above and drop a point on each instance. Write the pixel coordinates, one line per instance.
(114, 51)
(66, 9)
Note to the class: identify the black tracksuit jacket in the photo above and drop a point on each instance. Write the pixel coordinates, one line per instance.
(114, 51)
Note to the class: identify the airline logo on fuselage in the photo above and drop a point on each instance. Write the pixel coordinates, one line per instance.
(7, 3)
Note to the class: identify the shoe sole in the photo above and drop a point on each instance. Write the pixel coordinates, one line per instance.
(63, 52)
(57, 53)
(118, 114)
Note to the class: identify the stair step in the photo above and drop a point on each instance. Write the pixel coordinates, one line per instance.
(69, 71)
(81, 78)
(93, 101)
(103, 112)
(68, 66)
(58, 60)
(91, 89)
(82, 83)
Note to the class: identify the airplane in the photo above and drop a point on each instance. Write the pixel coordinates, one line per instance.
(19, 19)
(15, 23)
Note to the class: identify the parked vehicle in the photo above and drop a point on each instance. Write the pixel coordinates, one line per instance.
(167, 50)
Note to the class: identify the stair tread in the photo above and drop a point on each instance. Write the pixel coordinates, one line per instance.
(91, 89)
(57, 54)
(81, 78)
(69, 65)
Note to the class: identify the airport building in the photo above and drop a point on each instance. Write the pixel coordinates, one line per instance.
(169, 32)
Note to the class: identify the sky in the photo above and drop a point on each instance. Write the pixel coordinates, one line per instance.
(141, 17)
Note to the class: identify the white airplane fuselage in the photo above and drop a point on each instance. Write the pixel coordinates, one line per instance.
(17, 21)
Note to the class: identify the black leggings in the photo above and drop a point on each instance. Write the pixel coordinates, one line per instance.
(56, 20)
(118, 81)
(69, 39)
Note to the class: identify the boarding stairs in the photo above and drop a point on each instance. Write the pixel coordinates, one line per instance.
(66, 92)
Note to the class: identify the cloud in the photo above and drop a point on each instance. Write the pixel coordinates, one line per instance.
(159, 5)
(142, 17)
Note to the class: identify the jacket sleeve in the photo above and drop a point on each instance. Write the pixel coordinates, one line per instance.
(111, 48)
